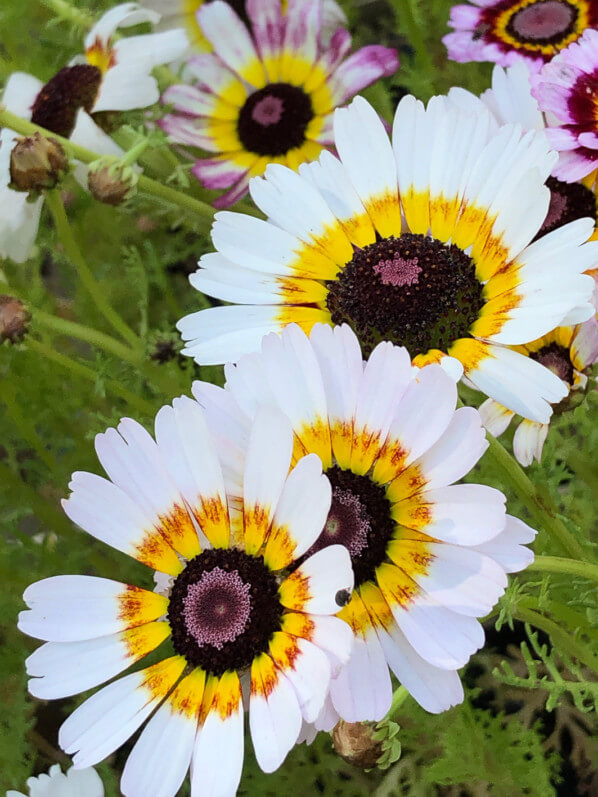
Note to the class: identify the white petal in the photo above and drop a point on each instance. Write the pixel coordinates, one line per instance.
(436, 690)
(462, 580)
(325, 574)
(302, 509)
(363, 690)
(508, 547)
(275, 723)
(71, 608)
(218, 755)
(267, 465)
(109, 717)
(310, 677)
(519, 383)
(495, 417)
(159, 761)
(528, 441)
(456, 452)
(61, 669)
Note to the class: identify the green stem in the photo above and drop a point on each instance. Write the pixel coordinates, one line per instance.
(23, 424)
(130, 157)
(83, 271)
(98, 339)
(199, 210)
(153, 373)
(557, 564)
(541, 508)
(398, 698)
(571, 646)
(140, 404)
(64, 10)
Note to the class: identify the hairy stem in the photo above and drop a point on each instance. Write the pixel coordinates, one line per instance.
(571, 646)
(75, 256)
(558, 564)
(77, 368)
(201, 212)
(542, 509)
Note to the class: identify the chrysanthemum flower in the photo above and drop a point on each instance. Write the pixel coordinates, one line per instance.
(429, 556)
(266, 94)
(117, 73)
(567, 88)
(111, 76)
(19, 218)
(511, 100)
(569, 352)
(424, 243)
(247, 623)
(183, 13)
(507, 31)
(76, 783)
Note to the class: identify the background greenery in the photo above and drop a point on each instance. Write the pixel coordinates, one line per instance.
(526, 726)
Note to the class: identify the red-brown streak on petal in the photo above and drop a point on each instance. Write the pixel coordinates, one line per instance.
(264, 682)
(298, 624)
(175, 525)
(228, 696)
(136, 606)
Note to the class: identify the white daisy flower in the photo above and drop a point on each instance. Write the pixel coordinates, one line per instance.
(251, 627)
(511, 100)
(569, 352)
(183, 14)
(75, 783)
(19, 218)
(110, 76)
(429, 555)
(120, 70)
(425, 243)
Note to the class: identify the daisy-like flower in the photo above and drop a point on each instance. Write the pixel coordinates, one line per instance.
(507, 31)
(111, 76)
(76, 783)
(243, 629)
(429, 556)
(267, 93)
(425, 243)
(567, 88)
(511, 100)
(27, 97)
(183, 13)
(569, 352)
(116, 73)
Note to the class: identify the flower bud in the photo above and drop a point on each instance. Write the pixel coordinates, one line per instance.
(14, 319)
(367, 744)
(37, 163)
(111, 183)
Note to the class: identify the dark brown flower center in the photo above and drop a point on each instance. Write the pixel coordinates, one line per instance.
(360, 519)
(57, 104)
(568, 202)
(413, 290)
(223, 610)
(274, 119)
(556, 358)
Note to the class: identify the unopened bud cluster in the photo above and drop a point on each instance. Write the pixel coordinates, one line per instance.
(14, 319)
(367, 744)
(37, 163)
(111, 182)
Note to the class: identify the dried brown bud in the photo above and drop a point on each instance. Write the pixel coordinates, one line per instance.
(111, 184)
(14, 319)
(355, 743)
(37, 163)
